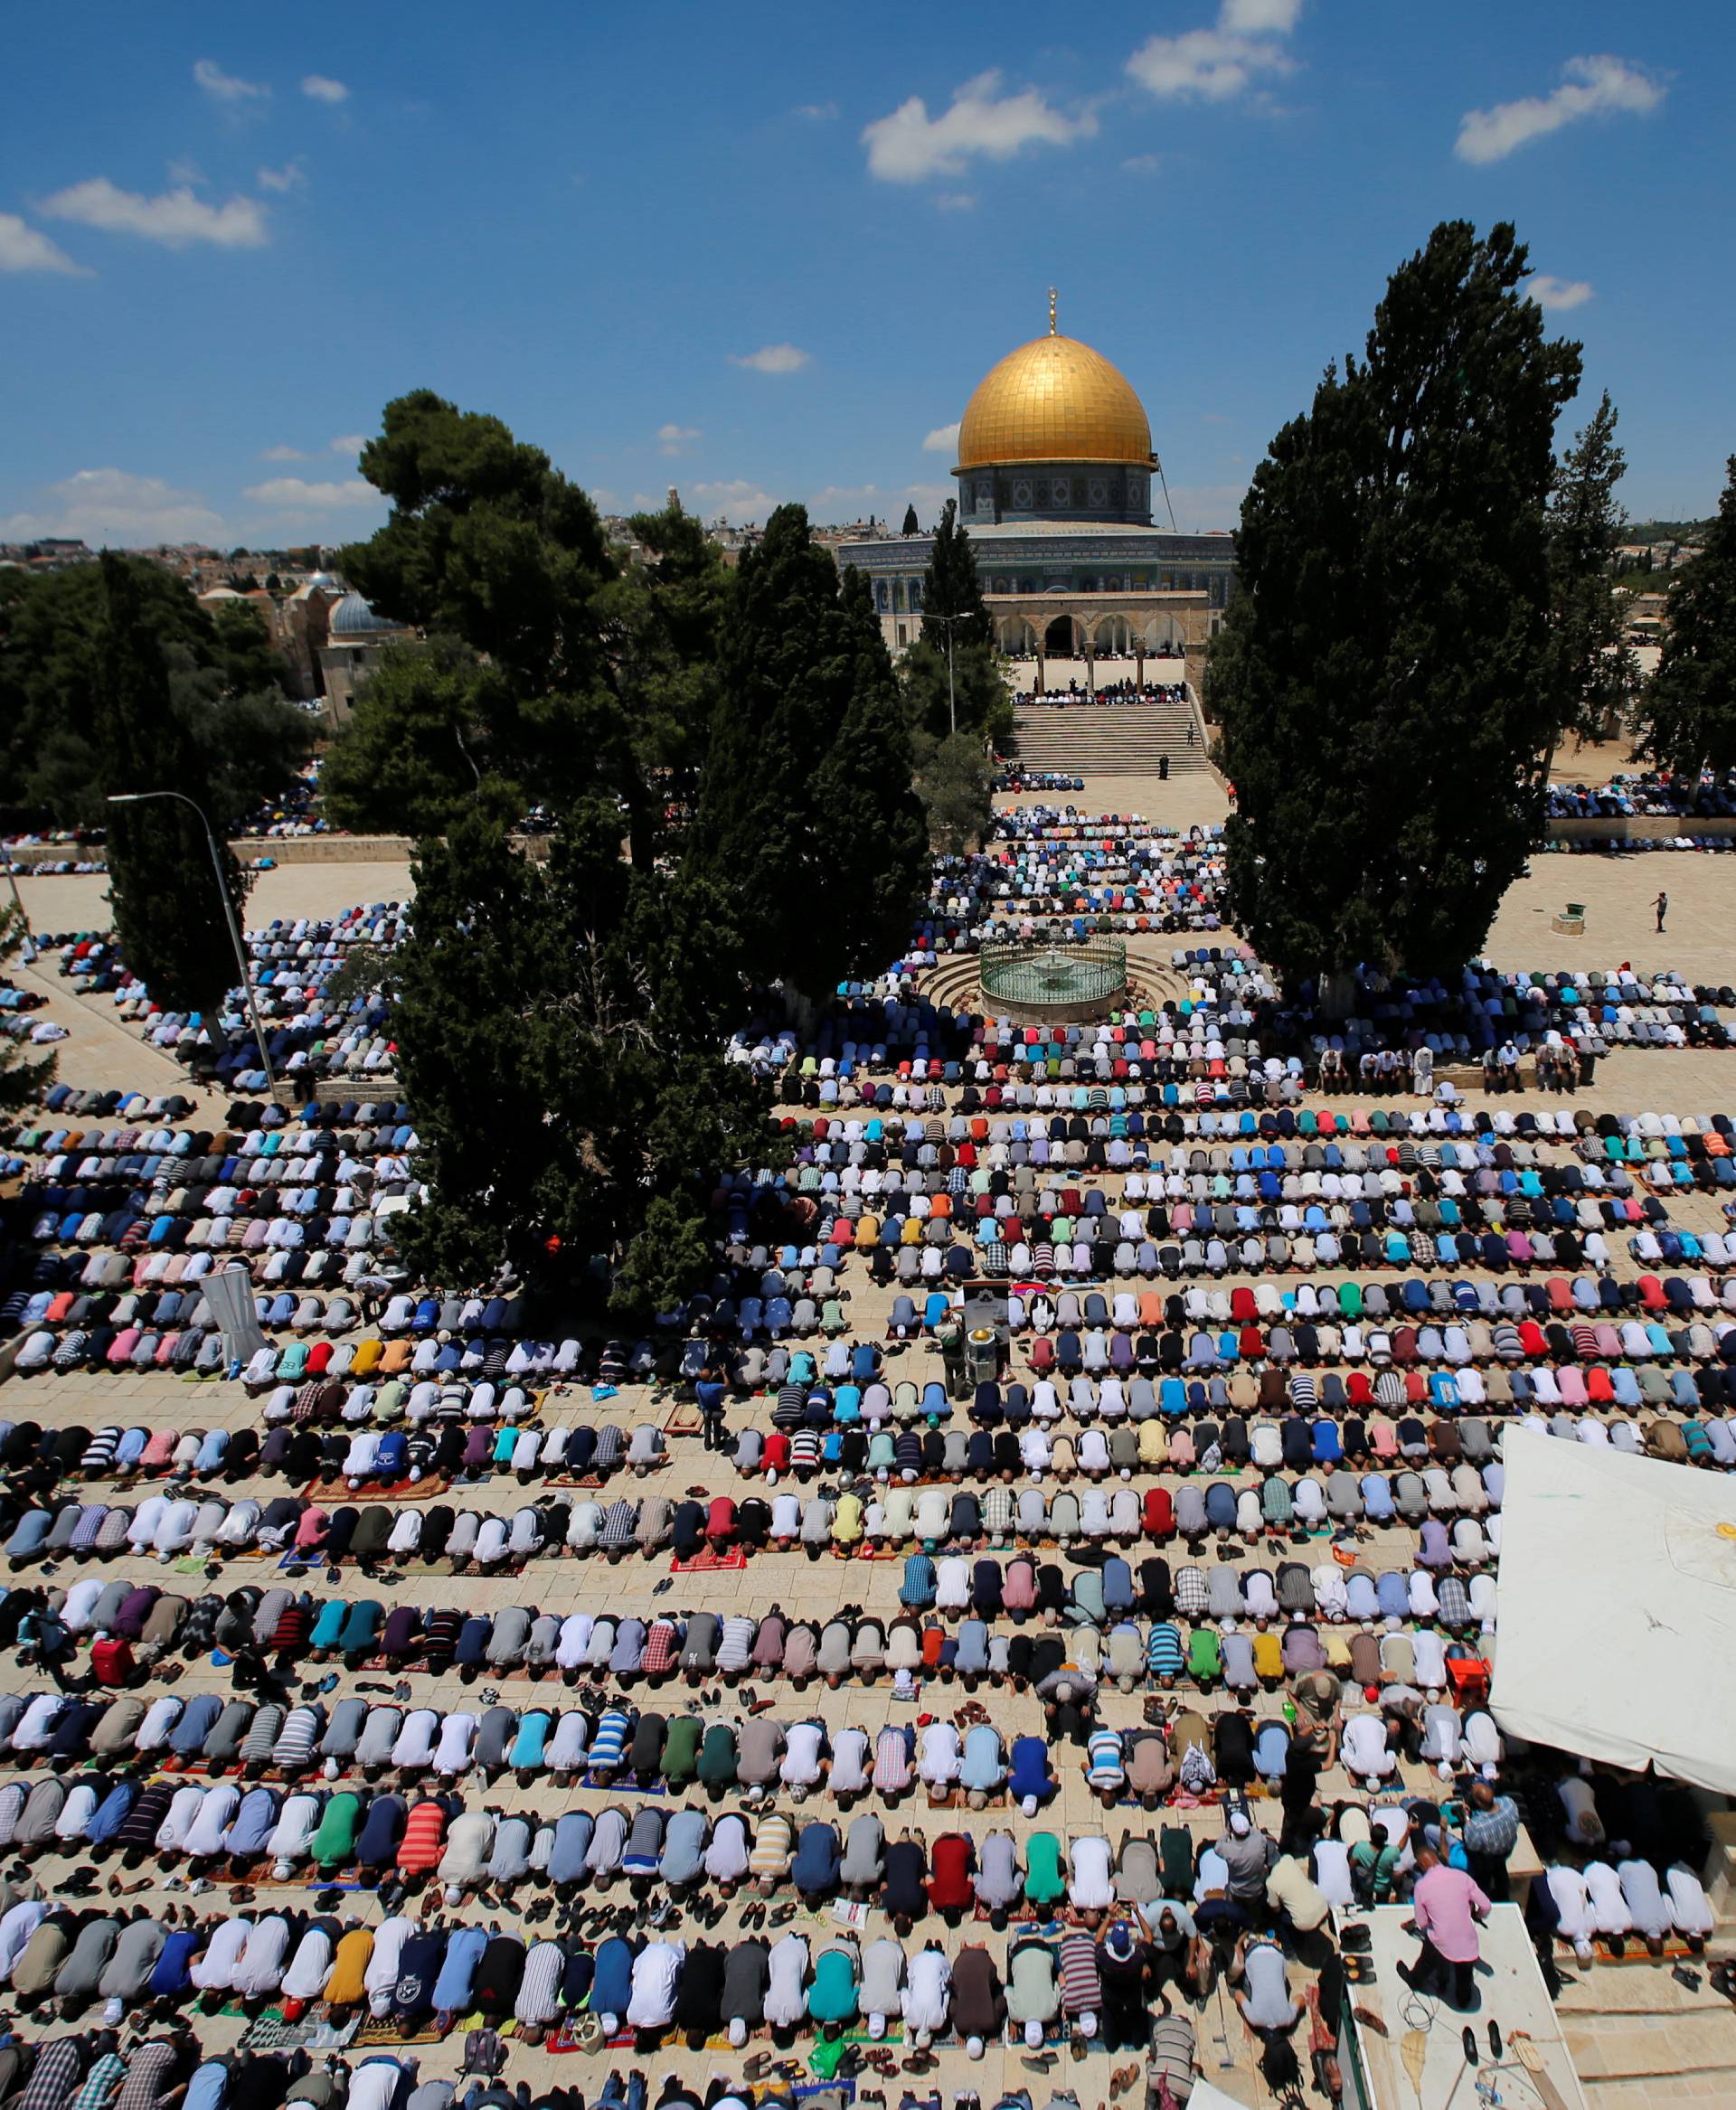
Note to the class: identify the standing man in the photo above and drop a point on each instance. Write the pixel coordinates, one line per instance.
(1661, 904)
(1445, 1908)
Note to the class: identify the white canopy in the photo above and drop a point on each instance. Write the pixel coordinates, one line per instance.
(1617, 1608)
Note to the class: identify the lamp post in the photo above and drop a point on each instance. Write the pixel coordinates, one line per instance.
(952, 701)
(139, 798)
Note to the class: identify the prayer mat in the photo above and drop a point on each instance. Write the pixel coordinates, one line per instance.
(684, 1419)
(623, 1787)
(704, 1562)
(399, 1491)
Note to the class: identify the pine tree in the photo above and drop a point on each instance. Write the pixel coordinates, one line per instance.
(1687, 721)
(1585, 527)
(1388, 681)
(169, 917)
(909, 527)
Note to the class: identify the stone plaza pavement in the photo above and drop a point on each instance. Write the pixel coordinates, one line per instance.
(1637, 2035)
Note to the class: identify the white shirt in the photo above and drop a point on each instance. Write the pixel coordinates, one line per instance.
(801, 1762)
(787, 1965)
(927, 1986)
(215, 1970)
(1090, 1889)
(656, 1972)
(939, 1758)
(381, 1972)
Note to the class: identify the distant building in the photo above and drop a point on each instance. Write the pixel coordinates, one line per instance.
(355, 639)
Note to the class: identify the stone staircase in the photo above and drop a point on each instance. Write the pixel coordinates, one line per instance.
(1107, 739)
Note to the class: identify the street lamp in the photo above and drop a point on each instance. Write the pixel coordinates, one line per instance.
(138, 799)
(952, 704)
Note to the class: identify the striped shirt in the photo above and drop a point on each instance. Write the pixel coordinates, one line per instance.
(1103, 1765)
(735, 1649)
(771, 1848)
(1081, 1988)
(608, 1746)
(296, 1738)
(1164, 1655)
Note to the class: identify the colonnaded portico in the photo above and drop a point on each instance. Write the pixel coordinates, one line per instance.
(1069, 626)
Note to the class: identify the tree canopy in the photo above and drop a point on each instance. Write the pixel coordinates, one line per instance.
(223, 687)
(1688, 715)
(559, 675)
(1388, 680)
(580, 1005)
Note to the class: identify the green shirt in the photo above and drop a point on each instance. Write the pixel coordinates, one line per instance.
(1042, 1877)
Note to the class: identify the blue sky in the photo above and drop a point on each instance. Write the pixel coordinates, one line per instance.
(765, 252)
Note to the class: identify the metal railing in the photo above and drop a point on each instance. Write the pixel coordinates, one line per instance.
(1061, 976)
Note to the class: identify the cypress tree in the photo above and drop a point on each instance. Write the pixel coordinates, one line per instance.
(168, 914)
(874, 834)
(950, 586)
(1688, 716)
(1585, 527)
(1387, 681)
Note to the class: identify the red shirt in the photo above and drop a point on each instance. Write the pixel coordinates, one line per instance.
(949, 1884)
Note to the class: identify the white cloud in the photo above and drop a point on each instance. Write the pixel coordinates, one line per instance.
(955, 201)
(23, 248)
(675, 437)
(772, 359)
(942, 440)
(739, 500)
(297, 491)
(1143, 164)
(115, 507)
(290, 177)
(1549, 291)
(816, 113)
(175, 218)
(227, 87)
(1597, 86)
(1258, 18)
(281, 454)
(350, 443)
(908, 146)
(324, 88)
(1218, 63)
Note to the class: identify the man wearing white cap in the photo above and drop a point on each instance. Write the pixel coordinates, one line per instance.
(882, 1980)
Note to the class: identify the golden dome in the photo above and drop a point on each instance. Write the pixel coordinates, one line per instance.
(1053, 399)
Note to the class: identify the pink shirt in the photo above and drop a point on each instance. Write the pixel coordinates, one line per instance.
(1443, 1905)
